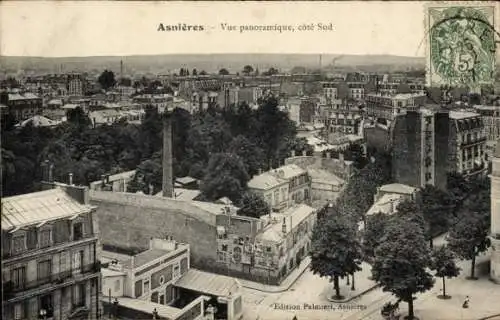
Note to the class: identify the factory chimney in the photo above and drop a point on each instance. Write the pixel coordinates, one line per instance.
(167, 188)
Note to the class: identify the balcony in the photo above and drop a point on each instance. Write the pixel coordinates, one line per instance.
(473, 142)
(10, 290)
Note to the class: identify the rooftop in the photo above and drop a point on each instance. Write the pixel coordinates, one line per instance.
(320, 175)
(265, 181)
(460, 115)
(37, 207)
(292, 218)
(287, 171)
(398, 188)
(164, 311)
(208, 283)
(22, 96)
(38, 121)
(386, 204)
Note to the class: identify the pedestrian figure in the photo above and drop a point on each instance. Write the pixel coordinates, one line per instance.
(465, 305)
(294, 318)
(155, 314)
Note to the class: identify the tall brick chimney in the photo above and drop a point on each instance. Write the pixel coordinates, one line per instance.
(167, 186)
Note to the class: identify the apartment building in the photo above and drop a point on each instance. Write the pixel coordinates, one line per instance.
(22, 105)
(420, 147)
(467, 145)
(50, 256)
(75, 84)
(491, 121)
(283, 186)
(387, 107)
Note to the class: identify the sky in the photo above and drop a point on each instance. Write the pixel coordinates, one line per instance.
(75, 29)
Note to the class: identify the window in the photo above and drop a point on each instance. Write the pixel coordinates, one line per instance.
(79, 295)
(18, 244)
(117, 285)
(18, 277)
(177, 271)
(31, 239)
(44, 271)
(45, 307)
(77, 263)
(146, 286)
(19, 311)
(45, 238)
(77, 231)
(224, 248)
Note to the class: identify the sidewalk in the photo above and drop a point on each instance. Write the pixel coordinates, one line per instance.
(285, 284)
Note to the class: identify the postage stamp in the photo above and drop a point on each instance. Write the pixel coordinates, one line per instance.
(461, 45)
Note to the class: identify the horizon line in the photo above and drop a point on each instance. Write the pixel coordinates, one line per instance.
(207, 54)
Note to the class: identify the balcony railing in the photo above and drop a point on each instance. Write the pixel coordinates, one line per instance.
(472, 142)
(10, 288)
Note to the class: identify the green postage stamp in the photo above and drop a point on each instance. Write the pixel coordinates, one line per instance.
(461, 43)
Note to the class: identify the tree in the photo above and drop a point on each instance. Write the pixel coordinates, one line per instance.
(401, 262)
(270, 72)
(203, 73)
(469, 237)
(253, 205)
(436, 208)
(249, 152)
(226, 177)
(194, 72)
(223, 72)
(107, 79)
(78, 118)
(335, 250)
(443, 262)
(247, 70)
(373, 233)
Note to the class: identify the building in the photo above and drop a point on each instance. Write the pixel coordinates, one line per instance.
(274, 190)
(420, 147)
(266, 249)
(50, 255)
(467, 144)
(495, 217)
(22, 105)
(75, 84)
(384, 108)
(160, 278)
(116, 182)
(491, 121)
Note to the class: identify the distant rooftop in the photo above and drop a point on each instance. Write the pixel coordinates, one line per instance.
(459, 115)
(265, 181)
(208, 283)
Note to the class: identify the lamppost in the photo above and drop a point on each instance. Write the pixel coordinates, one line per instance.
(43, 314)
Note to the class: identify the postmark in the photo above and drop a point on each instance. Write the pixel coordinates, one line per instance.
(461, 45)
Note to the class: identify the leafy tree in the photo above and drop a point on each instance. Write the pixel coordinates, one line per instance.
(203, 73)
(107, 79)
(247, 70)
(253, 205)
(443, 262)
(78, 118)
(226, 177)
(194, 72)
(270, 72)
(335, 250)
(249, 152)
(373, 233)
(436, 209)
(401, 262)
(223, 72)
(469, 237)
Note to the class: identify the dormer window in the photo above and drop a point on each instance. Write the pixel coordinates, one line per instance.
(45, 237)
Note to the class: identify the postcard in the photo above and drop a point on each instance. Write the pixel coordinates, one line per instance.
(253, 160)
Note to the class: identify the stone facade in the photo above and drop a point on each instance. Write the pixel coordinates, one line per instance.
(495, 218)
